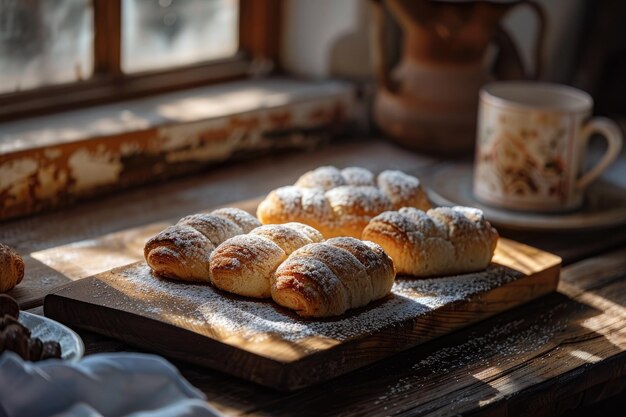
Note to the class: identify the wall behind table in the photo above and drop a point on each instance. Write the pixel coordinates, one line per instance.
(324, 38)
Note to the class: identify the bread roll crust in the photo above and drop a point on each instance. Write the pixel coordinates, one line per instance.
(378, 264)
(403, 190)
(241, 218)
(309, 287)
(325, 178)
(215, 228)
(341, 263)
(354, 206)
(179, 252)
(341, 202)
(182, 251)
(300, 205)
(358, 176)
(442, 241)
(244, 264)
(11, 268)
(288, 236)
(329, 278)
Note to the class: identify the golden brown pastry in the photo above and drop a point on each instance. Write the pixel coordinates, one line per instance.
(341, 202)
(182, 251)
(244, 264)
(329, 278)
(11, 268)
(442, 241)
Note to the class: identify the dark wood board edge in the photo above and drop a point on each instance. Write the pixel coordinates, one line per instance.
(314, 368)
(356, 354)
(190, 347)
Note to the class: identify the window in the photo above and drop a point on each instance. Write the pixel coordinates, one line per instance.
(60, 54)
(166, 33)
(44, 43)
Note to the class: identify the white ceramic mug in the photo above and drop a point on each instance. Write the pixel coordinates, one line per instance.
(531, 146)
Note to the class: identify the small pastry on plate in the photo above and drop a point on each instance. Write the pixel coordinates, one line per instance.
(11, 268)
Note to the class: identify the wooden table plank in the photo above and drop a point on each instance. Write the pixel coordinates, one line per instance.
(572, 247)
(568, 344)
(561, 351)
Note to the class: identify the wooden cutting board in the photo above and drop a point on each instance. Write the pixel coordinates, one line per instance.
(261, 342)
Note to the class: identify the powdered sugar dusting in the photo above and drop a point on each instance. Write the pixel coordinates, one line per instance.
(457, 287)
(324, 178)
(503, 347)
(242, 218)
(298, 202)
(442, 241)
(360, 199)
(345, 200)
(358, 176)
(190, 245)
(459, 220)
(398, 185)
(200, 306)
(422, 222)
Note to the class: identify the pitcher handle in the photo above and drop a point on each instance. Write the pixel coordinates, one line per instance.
(378, 52)
(542, 20)
(508, 64)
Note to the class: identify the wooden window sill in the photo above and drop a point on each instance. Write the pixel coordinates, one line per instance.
(52, 160)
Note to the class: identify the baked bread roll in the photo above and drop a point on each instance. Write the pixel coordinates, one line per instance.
(11, 268)
(442, 241)
(244, 264)
(182, 251)
(329, 278)
(341, 202)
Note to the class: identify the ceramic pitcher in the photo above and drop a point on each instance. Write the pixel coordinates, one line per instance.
(429, 101)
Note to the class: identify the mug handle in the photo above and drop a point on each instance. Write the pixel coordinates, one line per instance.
(613, 135)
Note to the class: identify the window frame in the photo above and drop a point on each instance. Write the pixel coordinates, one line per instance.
(259, 33)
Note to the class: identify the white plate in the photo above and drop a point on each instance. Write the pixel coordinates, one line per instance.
(604, 205)
(72, 347)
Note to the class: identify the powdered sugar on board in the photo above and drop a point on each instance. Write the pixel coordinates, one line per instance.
(202, 308)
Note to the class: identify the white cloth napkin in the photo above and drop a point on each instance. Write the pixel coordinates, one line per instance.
(102, 385)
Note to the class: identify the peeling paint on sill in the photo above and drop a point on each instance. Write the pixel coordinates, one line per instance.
(50, 182)
(92, 169)
(15, 180)
(36, 179)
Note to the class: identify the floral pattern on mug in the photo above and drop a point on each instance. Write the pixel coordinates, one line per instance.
(531, 146)
(522, 154)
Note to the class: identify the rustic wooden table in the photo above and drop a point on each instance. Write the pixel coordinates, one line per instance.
(563, 351)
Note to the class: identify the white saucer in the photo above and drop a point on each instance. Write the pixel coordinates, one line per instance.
(604, 205)
(72, 347)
